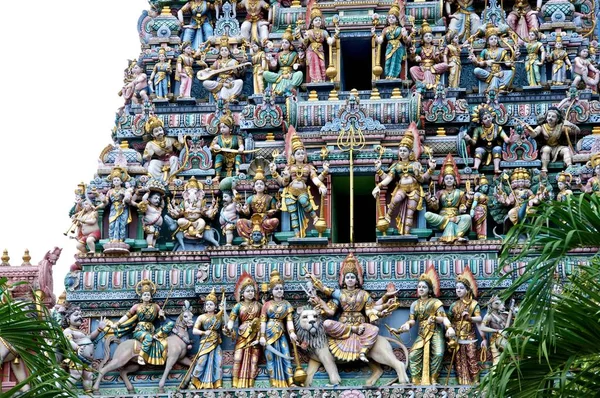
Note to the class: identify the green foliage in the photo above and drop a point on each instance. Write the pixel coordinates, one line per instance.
(554, 344)
(37, 339)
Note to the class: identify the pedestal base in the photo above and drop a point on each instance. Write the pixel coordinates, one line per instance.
(186, 101)
(116, 248)
(397, 238)
(308, 241)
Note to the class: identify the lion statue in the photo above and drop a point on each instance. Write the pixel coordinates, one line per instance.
(312, 338)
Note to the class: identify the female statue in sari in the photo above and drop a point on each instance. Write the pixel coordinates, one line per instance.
(314, 40)
(119, 198)
(429, 57)
(160, 78)
(396, 38)
(494, 68)
(288, 77)
(536, 55)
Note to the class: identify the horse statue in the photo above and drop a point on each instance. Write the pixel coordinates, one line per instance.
(126, 354)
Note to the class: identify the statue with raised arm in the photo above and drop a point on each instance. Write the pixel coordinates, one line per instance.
(396, 38)
(227, 148)
(495, 321)
(554, 132)
(314, 40)
(487, 137)
(228, 85)
(161, 152)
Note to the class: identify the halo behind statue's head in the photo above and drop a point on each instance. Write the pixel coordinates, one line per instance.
(467, 279)
(351, 265)
(431, 277)
(145, 285)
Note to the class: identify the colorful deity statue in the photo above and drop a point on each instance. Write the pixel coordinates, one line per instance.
(452, 58)
(247, 313)
(161, 152)
(87, 231)
(297, 199)
(555, 134)
(521, 200)
(200, 27)
(208, 369)
(287, 61)
(136, 89)
(184, 72)
(255, 27)
(536, 55)
(118, 198)
(495, 321)
(228, 149)
(429, 58)
(276, 317)
(585, 71)
(353, 334)
(563, 181)
(314, 41)
(427, 352)
(593, 184)
(262, 208)
(228, 215)
(160, 78)
(560, 62)
(408, 174)
(451, 203)
(228, 85)
(487, 137)
(464, 22)
(465, 317)
(396, 38)
(83, 344)
(192, 213)
(479, 208)
(494, 68)
(522, 19)
(139, 320)
(258, 58)
(151, 206)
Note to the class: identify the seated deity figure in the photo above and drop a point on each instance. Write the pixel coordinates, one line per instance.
(200, 27)
(256, 27)
(228, 149)
(487, 138)
(522, 19)
(429, 58)
(521, 199)
(228, 85)
(593, 184)
(287, 61)
(396, 38)
(494, 68)
(193, 212)
(160, 152)
(585, 71)
(464, 21)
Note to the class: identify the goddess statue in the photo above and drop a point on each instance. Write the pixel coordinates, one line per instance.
(288, 77)
(452, 203)
(119, 198)
(139, 320)
(314, 39)
(247, 312)
(427, 352)
(227, 149)
(259, 66)
(536, 55)
(160, 152)
(563, 181)
(451, 57)
(428, 56)
(208, 370)
(521, 200)
(263, 208)
(408, 192)
(228, 85)
(184, 72)
(200, 28)
(479, 208)
(555, 132)
(465, 315)
(560, 62)
(487, 137)
(397, 38)
(353, 334)
(489, 64)
(297, 198)
(593, 184)
(160, 78)
(276, 317)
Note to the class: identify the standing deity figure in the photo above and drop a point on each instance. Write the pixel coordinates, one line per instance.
(297, 199)
(277, 316)
(228, 216)
(228, 149)
(452, 204)
(160, 78)
(584, 70)
(427, 352)
(87, 231)
(151, 206)
(465, 317)
(119, 198)
(536, 55)
(247, 312)
(228, 85)
(160, 152)
(140, 321)
(136, 90)
(560, 62)
(555, 133)
(563, 181)
(495, 321)
(428, 56)
(487, 138)
(396, 38)
(479, 208)
(200, 28)
(521, 200)
(262, 208)
(408, 174)
(353, 334)
(464, 22)
(184, 72)
(83, 345)
(259, 66)
(593, 184)
(192, 212)
(452, 59)
(256, 27)
(208, 370)
(489, 65)
(287, 77)
(314, 41)
(523, 19)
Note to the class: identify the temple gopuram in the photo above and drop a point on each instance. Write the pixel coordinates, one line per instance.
(308, 199)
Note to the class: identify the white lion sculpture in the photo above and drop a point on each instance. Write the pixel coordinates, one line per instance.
(312, 337)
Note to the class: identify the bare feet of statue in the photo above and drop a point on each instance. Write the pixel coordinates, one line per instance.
(363, 357)
(141, 361)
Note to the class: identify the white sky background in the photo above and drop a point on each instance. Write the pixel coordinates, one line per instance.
(61, 68)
